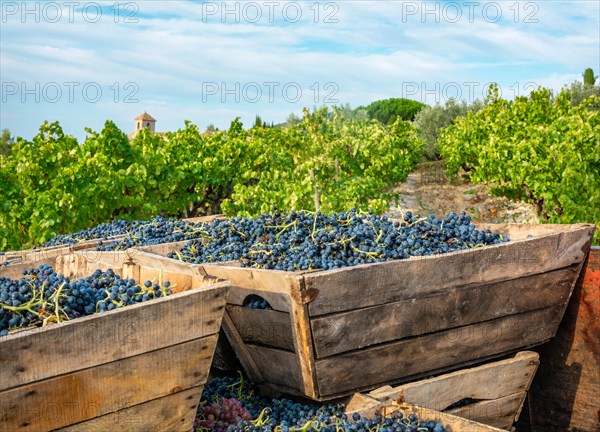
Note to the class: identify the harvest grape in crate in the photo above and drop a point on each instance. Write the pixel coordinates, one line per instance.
(103, 340)
(357, 301)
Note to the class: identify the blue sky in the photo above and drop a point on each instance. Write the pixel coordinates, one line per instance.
(81, 63)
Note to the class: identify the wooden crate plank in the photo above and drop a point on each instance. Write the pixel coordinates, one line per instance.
(241, 349)
(266, 327)
(273, 286)
(174, 412)
(453, 307)
(110, 336)
(304, 347)
(490, 381)
(500, 413)
(277, 366)
(380, 283)
(93, 392)
(447, 349)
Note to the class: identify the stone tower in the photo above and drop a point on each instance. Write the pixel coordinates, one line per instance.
(144, 121)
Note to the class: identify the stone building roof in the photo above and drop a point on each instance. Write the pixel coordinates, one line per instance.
(145, 117)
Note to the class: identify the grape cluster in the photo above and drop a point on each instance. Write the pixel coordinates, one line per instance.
(304, 240)
(156, 231)
(102, 231)
(256, 302)
(138, 233)
(224, 398)
(43, 296)
(218, 416)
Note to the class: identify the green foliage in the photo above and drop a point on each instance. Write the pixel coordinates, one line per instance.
(431, 120)
(388, 110)
(538, 148)
(580, 92)
(588, 77)
(53, 185)
(6, 143)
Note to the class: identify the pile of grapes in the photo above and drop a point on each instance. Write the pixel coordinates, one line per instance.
(230, 404)
(43, 296)
(102, 231)
(306, 240)
(138, 233)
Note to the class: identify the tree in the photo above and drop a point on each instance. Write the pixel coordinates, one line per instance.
(431, 120)
(292, 120)
(211, 128)
(6, 143)
(388, 110)
(588, 77)
(258, 121)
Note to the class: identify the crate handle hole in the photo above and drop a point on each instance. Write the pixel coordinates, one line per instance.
(254, 301)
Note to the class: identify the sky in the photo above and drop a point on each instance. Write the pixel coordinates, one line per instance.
(81, 63)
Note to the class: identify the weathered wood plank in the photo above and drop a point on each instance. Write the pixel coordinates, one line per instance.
(446, 349)
(266, 327)
(453, 307)
(278, 366)
(273, 286)
(373, 284)
(303, 341)
(500, 413)
(225, 358)
(490, 381)
(169, 413)
(110, 336)
(93, 392)
(241, 349)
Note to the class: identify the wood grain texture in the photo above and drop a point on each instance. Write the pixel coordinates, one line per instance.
(453, 348)
(174, 412)
(501, 413)
(241, 349)
(266, 327)
(110, 336)
(453, 307)
(278, 366)
(273, 286)
(75, 397)
(494, 380)
(380, 283)
(303, 341)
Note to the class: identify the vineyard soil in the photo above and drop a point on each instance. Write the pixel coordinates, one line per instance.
(428, 190)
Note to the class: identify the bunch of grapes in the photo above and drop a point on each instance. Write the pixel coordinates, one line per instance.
(304, 240)
(284, 415)
(254, 301)
(138, 233)
(102, 231)
(43, 296)
(219, 416)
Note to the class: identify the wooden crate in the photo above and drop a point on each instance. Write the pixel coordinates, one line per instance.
(140, 367)
(335, 332)
(498, 389)
(369, 408)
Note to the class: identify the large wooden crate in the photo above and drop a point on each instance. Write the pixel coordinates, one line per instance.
(140, 367)
(335, 332)
(496, 390)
